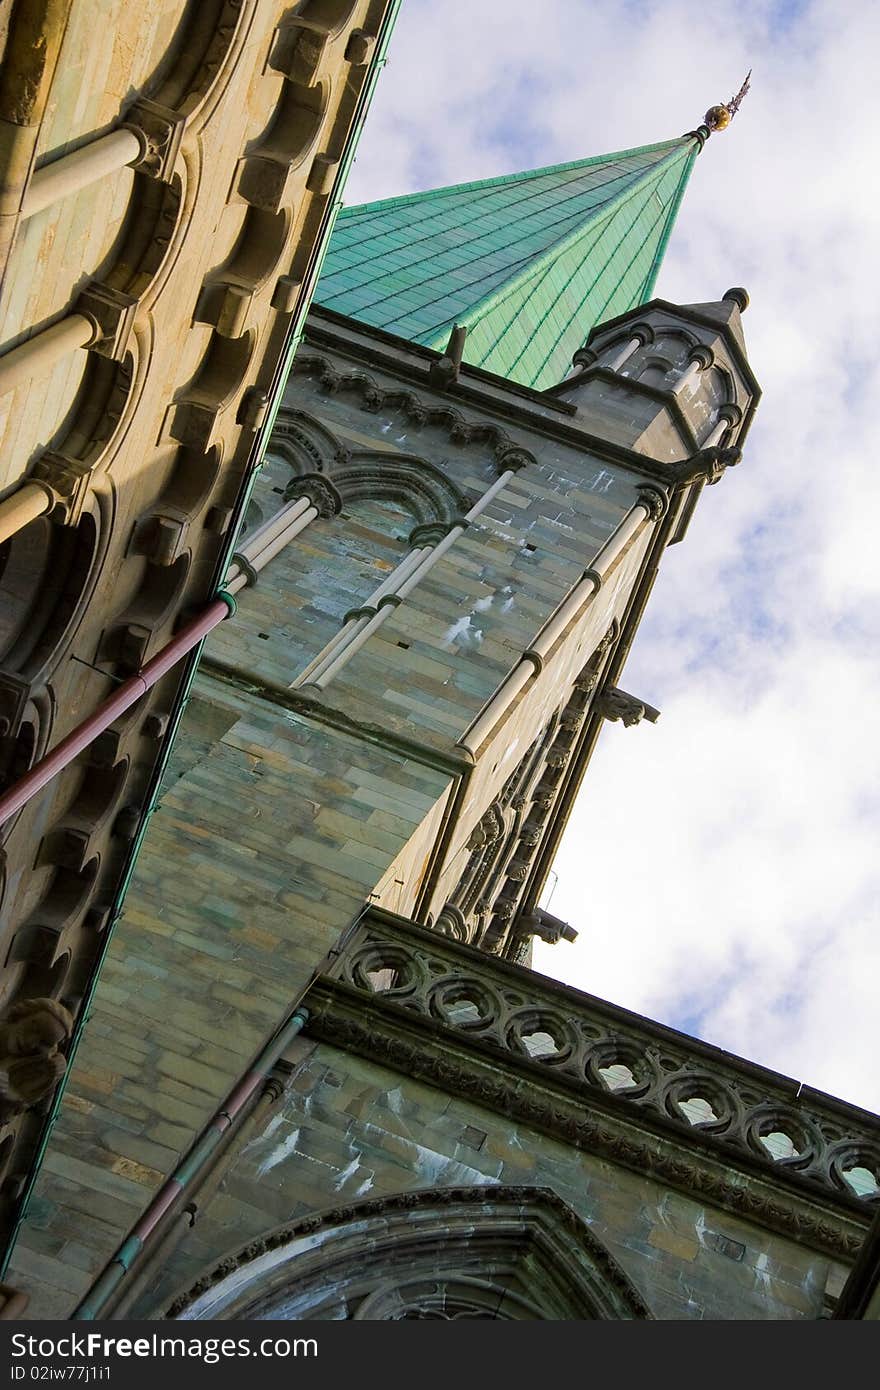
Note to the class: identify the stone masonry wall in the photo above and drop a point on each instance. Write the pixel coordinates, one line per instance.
(351, 1129)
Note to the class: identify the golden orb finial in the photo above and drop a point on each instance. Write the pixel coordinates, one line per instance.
(719, 117)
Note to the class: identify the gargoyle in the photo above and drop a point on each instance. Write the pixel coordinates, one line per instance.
(615, 704)
(30, 1062)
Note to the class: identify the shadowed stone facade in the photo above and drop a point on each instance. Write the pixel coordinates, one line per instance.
(169, 174)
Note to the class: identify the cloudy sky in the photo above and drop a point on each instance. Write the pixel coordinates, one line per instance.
(729, 883)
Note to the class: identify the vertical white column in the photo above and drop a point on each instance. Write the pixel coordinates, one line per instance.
(625, 354)
(81, 167)
(41, 352)
(568, 611)
(336, 655)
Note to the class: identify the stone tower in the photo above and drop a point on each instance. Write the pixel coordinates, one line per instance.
(319, 992)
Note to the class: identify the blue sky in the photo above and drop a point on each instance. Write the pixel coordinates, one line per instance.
(744, 895)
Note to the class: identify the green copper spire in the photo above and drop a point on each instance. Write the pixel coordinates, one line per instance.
(527, 262)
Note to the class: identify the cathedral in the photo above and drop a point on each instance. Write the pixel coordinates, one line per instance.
(306, 1071)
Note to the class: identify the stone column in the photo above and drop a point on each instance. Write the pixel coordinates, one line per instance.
(78, 169)
(22, 507)
(40, 353)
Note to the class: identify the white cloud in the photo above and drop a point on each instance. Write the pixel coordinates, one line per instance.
(731, 864)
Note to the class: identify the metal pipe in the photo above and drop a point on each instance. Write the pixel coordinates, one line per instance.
(166, 1238)
(122, 699)
(17, 511)
(81, 167)
(187, 1169)
(42, 351)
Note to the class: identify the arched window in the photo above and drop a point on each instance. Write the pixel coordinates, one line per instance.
(508, 1253)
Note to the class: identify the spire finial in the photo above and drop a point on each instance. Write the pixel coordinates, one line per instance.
(719, 117)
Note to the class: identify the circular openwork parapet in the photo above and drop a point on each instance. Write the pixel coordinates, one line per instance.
(855, 1167)
(622, 1068)
(465, 1004)
(784, 1136)
(541, 1035)
(702, 1102)
(385, 969)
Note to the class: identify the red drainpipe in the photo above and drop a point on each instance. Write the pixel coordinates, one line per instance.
(122, 699)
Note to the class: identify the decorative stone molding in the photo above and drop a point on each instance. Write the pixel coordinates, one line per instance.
(69, 481)
(359, 48)
(707, 465)
(689, 1113)
(112, 313)
(489, 829)
(508, 455)
(429, 533)
(320, 492)
(549, 928)
(557, 747)
(299, 50)
(657, 502)
(14, 697)
(451, 922)
(420, 486)
(160, 131)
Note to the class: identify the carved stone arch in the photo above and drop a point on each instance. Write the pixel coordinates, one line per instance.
(410, 481)
(653, 370)
(148, 234)
(229, 289)
(88, 436)
(267, 172)
(305, 443)
(506, 1253)
(414, 483)
(194, 418)
(212, 36)
(674, 342)
(41, 619)
(726, 384)
(716, 401)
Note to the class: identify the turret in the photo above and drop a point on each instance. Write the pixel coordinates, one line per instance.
(667, 380)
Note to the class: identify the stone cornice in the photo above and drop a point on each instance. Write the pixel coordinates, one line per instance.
(492, 398)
